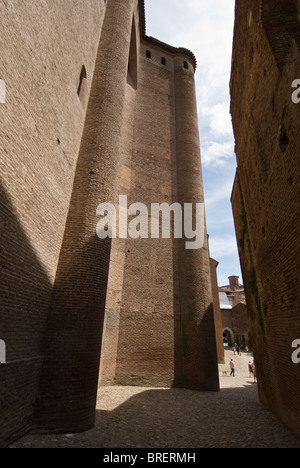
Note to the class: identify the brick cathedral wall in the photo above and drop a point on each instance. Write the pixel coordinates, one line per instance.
(143, 308)
(266, 193)
(142, 311)
(55, 270)
(148, 309)
(43, 48)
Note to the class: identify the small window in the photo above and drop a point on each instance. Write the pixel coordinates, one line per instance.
(163, 61)
(186, 65)
(132, 59)
(83, 76)
(283, 139)
(148, 54)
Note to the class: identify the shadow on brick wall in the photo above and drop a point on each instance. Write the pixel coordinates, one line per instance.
(25, 292)
(52, 335)
(69, 381)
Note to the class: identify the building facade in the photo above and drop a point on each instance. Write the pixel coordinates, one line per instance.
(234, 291)
(95, 109)
(266, 113)
(234, 313)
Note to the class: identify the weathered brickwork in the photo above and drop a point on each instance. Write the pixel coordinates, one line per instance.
(43, 48)
(265, 199)
(146, 335)
(90, 116)
(217, 311)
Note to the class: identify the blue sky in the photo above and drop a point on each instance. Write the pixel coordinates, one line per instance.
(206, 28)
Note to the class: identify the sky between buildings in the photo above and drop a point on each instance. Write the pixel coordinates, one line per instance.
(206, 28)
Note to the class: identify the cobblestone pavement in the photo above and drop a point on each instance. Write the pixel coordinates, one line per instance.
(135, 417)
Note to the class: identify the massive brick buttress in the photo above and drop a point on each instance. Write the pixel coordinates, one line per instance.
(265, 198)
(41, 57)
(68, 391)
(102, 111)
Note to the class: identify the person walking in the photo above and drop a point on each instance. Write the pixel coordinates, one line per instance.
(231, 365)
(254, 371)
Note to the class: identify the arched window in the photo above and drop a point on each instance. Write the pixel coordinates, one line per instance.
(185, 65)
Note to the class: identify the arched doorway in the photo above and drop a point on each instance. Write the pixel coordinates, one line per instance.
(227, 337)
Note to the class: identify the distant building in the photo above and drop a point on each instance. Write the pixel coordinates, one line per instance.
(234, 291)
(235, 322)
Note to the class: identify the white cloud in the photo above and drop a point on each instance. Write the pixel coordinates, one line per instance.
(206, 27)
(219, 118)
(219, 193)
(216, 153)
(222, 246)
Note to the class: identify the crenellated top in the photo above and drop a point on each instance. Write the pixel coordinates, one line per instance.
(158, 43)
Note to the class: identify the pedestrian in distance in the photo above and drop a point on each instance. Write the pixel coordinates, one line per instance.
(231, 365)
(254, 371)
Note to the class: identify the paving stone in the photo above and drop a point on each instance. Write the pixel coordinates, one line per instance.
(134, 417)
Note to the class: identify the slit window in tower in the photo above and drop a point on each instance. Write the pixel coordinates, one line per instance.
(132, 60)
(148, 54)
(283, 139)
(163, 61)
(186, 65)
(82, 85)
